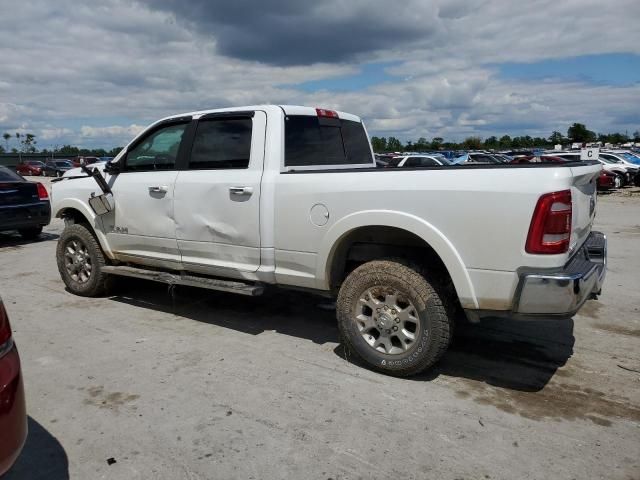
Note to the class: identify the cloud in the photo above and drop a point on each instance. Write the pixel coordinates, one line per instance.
(114, 131)
(121, 63)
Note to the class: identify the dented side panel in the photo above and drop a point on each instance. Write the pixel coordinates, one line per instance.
(217, 212)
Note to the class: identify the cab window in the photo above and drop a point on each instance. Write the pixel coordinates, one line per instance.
(157, 151)
(221, 144)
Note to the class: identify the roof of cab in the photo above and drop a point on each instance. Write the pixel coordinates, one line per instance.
(287, 109)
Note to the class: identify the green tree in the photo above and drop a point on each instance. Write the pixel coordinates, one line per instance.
(68, 150)
(6, 137)
(394, 145)
(28, 143)
(437, 142)
(636, 136)
(422, 144)
(505, 141)
(578, 133)
(472, 143)
(556, 138)
(491, 142)
(379, 144)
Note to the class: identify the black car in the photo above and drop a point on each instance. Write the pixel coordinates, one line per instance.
(24, 205)
(56, 168)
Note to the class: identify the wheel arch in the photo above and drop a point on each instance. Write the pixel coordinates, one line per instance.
(392, 230)
(77, 212)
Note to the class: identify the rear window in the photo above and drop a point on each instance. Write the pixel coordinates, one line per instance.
(312, 142)
(7, 175)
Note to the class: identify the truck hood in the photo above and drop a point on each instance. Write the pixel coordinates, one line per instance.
(77, 172)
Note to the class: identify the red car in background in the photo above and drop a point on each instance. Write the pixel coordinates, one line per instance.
(606, 180)
(13, 412)
(31, 168)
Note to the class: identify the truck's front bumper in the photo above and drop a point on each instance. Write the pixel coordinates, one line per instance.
(561, 293)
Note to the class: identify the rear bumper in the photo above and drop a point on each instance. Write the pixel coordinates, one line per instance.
(13, 413)
(561, 293)
(14, 217)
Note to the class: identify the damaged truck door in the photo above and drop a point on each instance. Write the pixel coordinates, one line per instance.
(217, 194)
(142, 224)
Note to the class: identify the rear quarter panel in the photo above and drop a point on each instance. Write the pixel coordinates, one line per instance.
(476, 219)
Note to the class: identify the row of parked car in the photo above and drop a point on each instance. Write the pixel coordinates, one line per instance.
(55, 167)
(620, 168)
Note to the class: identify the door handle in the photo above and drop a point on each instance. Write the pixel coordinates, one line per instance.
(241, 190)
(162, 189)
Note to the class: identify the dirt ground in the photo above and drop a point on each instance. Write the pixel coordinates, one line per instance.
(199, 385)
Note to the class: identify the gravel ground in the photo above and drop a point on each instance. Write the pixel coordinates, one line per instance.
(195, 385)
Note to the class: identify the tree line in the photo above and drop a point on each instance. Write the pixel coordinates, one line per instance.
(576, 133)
(26, 143)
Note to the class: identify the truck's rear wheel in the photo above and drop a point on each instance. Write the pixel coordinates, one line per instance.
(393, 318)
(80, 261)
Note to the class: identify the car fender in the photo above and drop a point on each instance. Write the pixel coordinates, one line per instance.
(94, 221)
(404, 221)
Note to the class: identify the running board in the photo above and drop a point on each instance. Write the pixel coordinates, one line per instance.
(188, 280)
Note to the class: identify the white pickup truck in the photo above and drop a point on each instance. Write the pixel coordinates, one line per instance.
(239, 198)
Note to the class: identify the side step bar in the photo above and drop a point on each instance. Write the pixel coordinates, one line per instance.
(185, 279)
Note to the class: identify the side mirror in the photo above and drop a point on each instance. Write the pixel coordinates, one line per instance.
(112, 168)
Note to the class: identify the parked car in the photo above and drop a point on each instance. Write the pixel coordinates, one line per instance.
(13, 411)
(31, 168)
(24, 205)
(81, 160)
(486, 158)
(410, 161)
(382, 161)
(623, 177)
(57, 168)
(300, 204)
(606, 180)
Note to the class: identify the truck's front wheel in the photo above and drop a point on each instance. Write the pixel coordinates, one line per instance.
(80, 261)
(393, 318)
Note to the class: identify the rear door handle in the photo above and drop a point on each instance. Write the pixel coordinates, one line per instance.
(162, 189)
(241, 190)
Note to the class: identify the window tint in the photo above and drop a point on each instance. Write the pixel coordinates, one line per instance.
(7, 175)
(158, 151)
(308, 142)
(222, 143)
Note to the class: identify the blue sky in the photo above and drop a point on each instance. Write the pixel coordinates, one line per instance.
(445, 68)
(604, 69)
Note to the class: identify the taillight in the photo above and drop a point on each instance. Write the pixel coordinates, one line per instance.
(43, 194)
(550, 229)
(5, 328)
(326, 113)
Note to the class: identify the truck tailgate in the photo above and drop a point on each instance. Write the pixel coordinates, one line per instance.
(583, 191)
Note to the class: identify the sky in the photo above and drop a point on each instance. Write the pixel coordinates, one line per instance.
(95, 73)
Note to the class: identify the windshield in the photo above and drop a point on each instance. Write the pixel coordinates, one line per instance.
(611, 159)
(36, 164)
(631, 158)
(442, 159)
(63, 164)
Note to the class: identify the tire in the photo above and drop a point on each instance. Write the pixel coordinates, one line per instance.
(30, 233)
(364, 333)
(617, 181)
(80, 261)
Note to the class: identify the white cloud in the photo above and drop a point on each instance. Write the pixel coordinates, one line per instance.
(68, 69)
(114, 131)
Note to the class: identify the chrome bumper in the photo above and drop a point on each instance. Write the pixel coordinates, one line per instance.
(561, 293)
